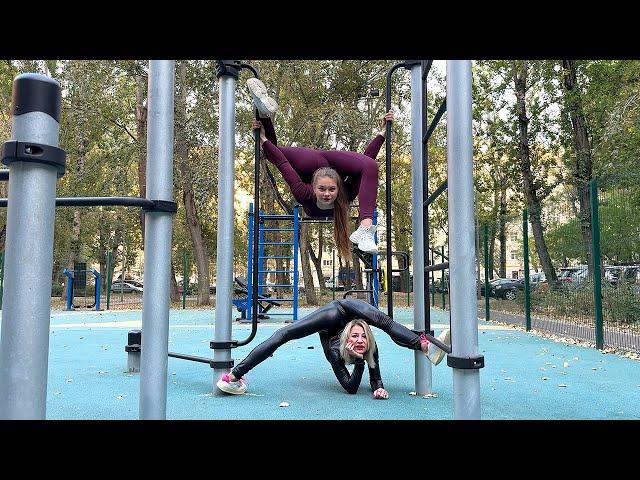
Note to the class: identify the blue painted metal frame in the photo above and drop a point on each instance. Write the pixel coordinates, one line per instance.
(250, 266)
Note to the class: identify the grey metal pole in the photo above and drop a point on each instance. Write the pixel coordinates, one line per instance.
(157, 243)
(422, 365)
(224, 257)
(26, 299)
(462, 276)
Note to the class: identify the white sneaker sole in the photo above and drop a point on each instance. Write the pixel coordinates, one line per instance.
(437, 356)
(372, 250)
(264, 103)
(224, 386)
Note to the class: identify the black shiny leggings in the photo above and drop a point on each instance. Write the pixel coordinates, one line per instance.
(331, 318)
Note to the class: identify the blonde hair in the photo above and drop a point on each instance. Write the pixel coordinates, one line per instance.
(371, 342)
(340, 212)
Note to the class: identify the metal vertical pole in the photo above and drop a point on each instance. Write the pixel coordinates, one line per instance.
(249, 311)
(296, 231)
(425, 196)
(109, 269)
(333, 272)
(487, 311)
(98, 285)
(374, 266)
(185, 278)
(157, 243)
(262, 262)
(433, 286)
(445, 285)
(595, 255)
(24, 346)
(527, 282)
(226, 182)
(1, 277)
(422, 365)
(69, 274)
(462, 298)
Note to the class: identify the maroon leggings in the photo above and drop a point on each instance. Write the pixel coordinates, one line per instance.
(359, 171)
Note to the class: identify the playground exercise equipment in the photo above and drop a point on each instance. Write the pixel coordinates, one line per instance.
(465, 360)
(35, 162)
(80, 277)
(262, 263)
(265, 302)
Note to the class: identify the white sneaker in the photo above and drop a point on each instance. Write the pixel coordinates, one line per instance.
(234, 388)
(364, 238)
(266, 105)
(434, 353)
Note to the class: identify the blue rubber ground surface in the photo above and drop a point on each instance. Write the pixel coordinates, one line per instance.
(525, 377)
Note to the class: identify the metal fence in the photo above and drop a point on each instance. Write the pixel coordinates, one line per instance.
(594, 248)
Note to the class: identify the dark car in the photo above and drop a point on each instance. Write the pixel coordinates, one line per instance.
(505, 288)
(622, 274)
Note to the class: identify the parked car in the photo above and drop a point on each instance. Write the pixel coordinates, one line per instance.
(572, 277)
(619, 274)
(125, 287)
(505, 288)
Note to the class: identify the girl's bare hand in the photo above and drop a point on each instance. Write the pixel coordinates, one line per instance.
(352, 352)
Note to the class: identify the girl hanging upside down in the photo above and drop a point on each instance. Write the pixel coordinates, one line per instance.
(346, 338)
(324, 182)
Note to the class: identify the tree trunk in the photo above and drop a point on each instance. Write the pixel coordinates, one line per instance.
(201, 253)
(492, 248)
(175, 295)
(531, 194)
(317, 261)
(141, 130)
(74, 254)
(583, 173)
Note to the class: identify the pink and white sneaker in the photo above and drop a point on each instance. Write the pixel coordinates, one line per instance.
(434, 353)
(234, 388)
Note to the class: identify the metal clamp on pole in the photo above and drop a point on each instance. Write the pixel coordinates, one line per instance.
(221, 365)
(466, 363)
(14, 151)
(162, 206)
(230, 68)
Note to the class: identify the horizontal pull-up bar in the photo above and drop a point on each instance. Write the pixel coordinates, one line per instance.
(146, 204)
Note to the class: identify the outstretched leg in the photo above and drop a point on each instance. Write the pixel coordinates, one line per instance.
(400, 334)
(326, 317)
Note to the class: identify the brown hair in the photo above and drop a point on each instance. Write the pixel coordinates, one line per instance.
(340, 213)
